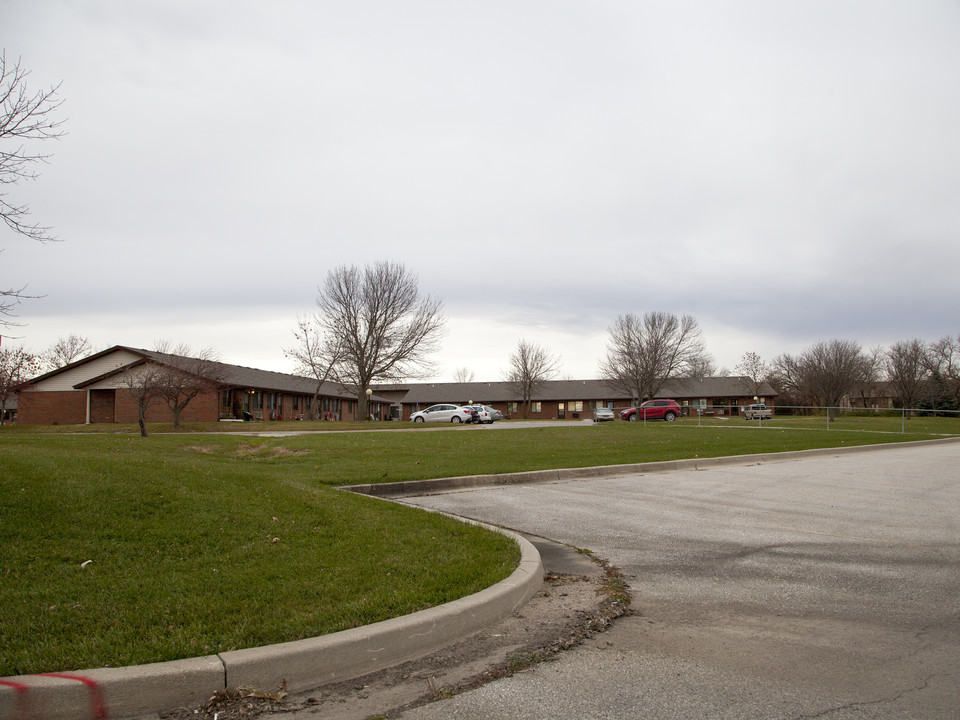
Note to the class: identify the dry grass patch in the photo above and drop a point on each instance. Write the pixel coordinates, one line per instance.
(268, 452)
(203, 449)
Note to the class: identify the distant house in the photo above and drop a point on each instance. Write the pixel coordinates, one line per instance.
(871, 395)
(94, 390)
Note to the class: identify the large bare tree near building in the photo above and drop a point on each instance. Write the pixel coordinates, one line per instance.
(824, 373)
(645, 351)
(26, 117)
(386, 330)
(531, 365)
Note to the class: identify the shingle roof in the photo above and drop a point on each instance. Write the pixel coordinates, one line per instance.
(229, 375)
(241, 376)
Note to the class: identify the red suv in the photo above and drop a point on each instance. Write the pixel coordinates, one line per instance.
(653, 410)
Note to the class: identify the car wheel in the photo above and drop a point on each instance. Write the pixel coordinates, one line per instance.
(670, 417)
(419, 419)
(633, 418)
(455, 419)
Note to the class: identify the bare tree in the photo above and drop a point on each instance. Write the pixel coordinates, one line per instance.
(16, 367)
(386, 330)
(316, 353)
(646, 351)
(701, 367)
(531, 365)
(25, 116)
(824, 373)
(183, 376)
(755, 370)
(463, 375)
(65, 351)
(143, 381)
(943, 360)
(788, 378)
(907, 367)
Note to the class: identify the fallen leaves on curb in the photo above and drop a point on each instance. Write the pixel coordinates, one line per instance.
(234, 704)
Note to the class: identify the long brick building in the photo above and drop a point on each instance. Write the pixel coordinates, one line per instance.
(96, 389)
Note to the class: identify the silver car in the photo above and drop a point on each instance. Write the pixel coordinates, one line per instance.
(494, 413)
(602, 414)
(443, 413)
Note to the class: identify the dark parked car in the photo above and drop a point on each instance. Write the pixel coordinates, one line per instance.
(653, 410)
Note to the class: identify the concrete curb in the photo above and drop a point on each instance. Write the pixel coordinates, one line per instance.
(303, 664)
(306, 664)
(426, 487)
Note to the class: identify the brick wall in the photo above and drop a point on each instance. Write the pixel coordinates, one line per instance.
(203, 408)
(52, 408)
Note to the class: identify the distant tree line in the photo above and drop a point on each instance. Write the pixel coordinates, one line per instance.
(915, 374)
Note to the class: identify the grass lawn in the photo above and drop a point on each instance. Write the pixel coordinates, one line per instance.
(205, 542)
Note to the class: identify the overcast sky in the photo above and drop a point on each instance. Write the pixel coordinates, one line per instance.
(786, 172)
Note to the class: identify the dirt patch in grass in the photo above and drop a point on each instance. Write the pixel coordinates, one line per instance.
(267, 452)
(202, 449)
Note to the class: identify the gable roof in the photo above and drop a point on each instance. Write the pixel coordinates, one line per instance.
(231, 376)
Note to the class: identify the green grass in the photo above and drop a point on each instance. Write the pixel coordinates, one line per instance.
(180, 528)
(183, 559)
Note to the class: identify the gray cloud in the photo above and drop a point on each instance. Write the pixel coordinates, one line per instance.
(784, 173)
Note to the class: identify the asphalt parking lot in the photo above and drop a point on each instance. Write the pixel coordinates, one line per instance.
(825, 587)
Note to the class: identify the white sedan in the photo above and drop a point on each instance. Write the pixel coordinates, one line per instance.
(443, 413)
